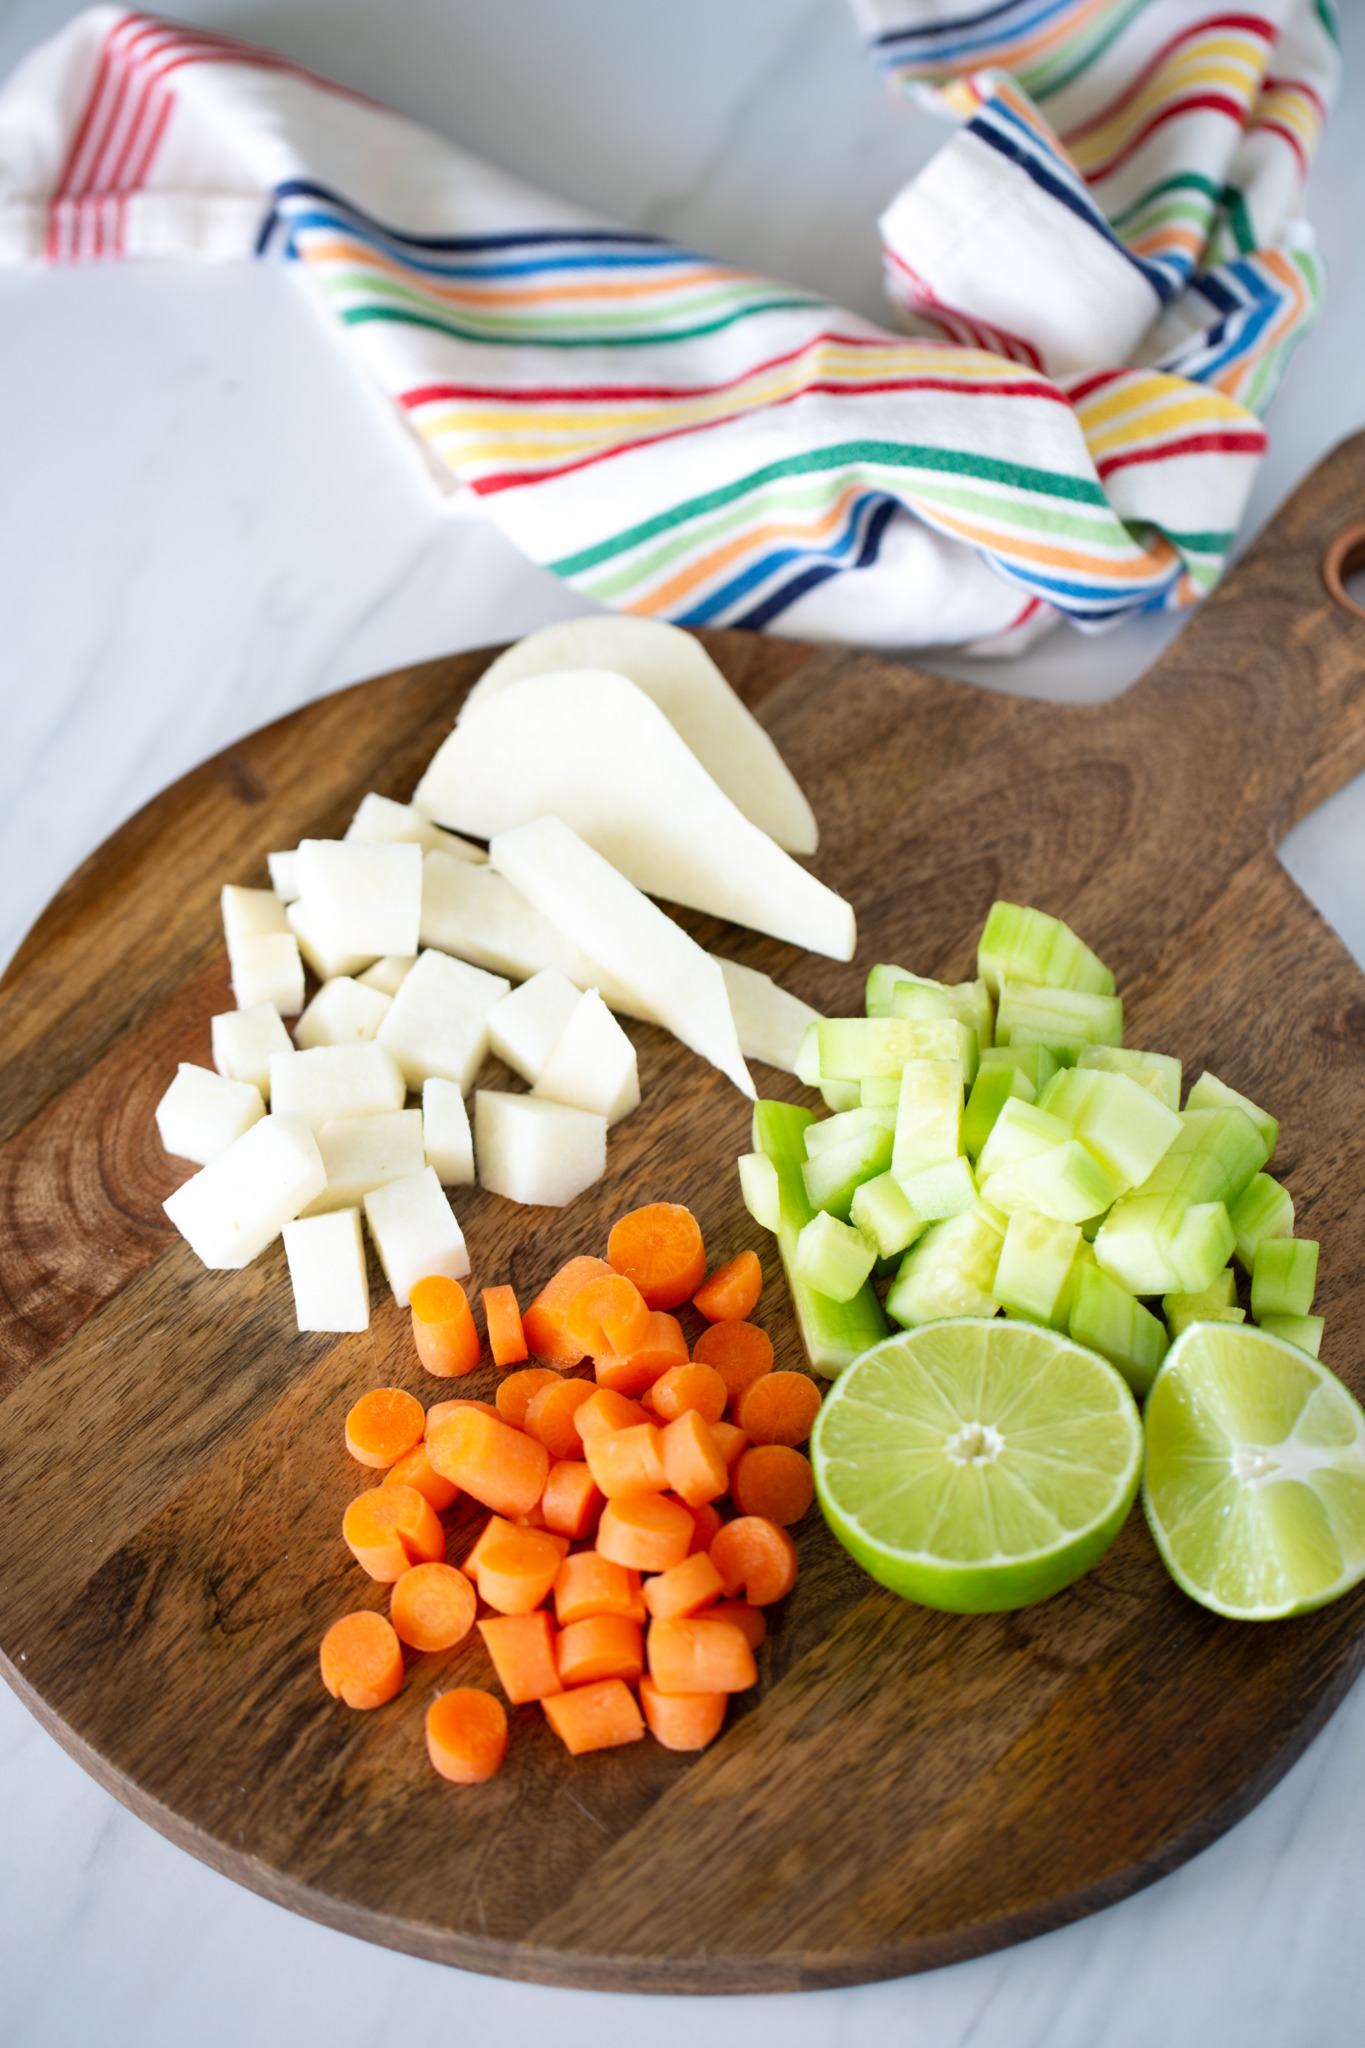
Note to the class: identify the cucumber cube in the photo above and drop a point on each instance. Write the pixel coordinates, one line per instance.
(928, 1115)
(967, 1001)
(833, 1333)
(831, 1177)
(991, 1090)
(1019, 944)
(881, 1091)
(1056, 1017)
(840, 1095)
(1067, 1299)
(881, 983)
(938, 1191)
(758, 1185)
(1216, 1304)
(950, 1272)
(1157, 1072)
(1209, 1092)
(1263, 1211)
(880, 1210)
(1211, 1159)
(1305, 1331)
(808, 1057)
(852, 1048)
(1035, 1062)
(1066, 1182)
(1109, 1320)
(1157, 1244)
(1283, 1276)
(1019, 1131)
(1126, 1128)
(832, 1258)
(1035, 1263)
(851, 1123)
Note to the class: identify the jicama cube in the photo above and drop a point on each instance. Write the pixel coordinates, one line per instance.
(848, 1123)
(201, 1113)
(1035, 1264)
(249, 914)
(1283, 1277)
(341, 1013)
(1019, 944)
(1264, 1210)
(365, 1152)
(326, 961)
(415, 1233)
(438, 1021)
(268, 969)
(381, 821)
(1209, 1092)
(535, 1151)
(388, 974)
(1107, 1319)
(326, 1257)
(1056, 1017)
(1305, 1331)
(360, 896)
(284, 874)
(231, 1210)
(950, 1271)
(331, 1081)
(1020, 1130)
(1120, 1121)
(476, 914)
(928, 1115)
(523, 1026)
(934, 1192)
(852, 1048)
(245, 1042)
(833, 1258)
(880, 1210)
(771, 1021)
(446, 1136)
(832, 1176)
(1066, 1182)
(1157, 1072)
(758, 1183)
(592, 1063)
(991, 1090)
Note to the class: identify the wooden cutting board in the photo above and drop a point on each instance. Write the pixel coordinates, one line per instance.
(904, 1788)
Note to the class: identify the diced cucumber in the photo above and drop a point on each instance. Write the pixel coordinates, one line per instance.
(1019, 1131)
(1283, 1277)
(833, 1333)
(881, 1091)
(938, 1191)
(928, 1115)
(1211, 1159)
(1066, 1182)
(968, 1001)
(1035, 1062)
(1056, 1017)
(852, 1048)
(1157, 1072)
(1126, 1128)
(832, 1258)
(851, 1123)
(1158, 1244)
(991, 1090)
(1035, 1264)
(879, 1209)
(1019, 944)
(1216, 1304)
(1263, 1211)
(1067, 1300)
(881, 981)
(840, 1095)
(831, 1177)
(948, 1273)
(1305, 1331)
(1109, 1320)
(1209, 1092)
(758, 1185)
(808, 1057)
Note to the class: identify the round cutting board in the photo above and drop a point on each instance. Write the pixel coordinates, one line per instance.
(903, 1788)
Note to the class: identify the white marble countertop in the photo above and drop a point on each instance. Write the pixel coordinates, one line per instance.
(203, 523)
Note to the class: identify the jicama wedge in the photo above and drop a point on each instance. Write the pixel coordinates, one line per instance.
(771, 1021)
(833, 1333)
(478, 916)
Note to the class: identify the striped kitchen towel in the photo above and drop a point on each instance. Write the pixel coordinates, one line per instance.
(1101, 275)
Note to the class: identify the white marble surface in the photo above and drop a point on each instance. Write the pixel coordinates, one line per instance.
(204, 522)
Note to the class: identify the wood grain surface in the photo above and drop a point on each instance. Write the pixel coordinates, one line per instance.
(903, 1788)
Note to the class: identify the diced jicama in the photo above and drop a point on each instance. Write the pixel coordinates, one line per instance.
(934, 1192)
(833, 1333)
(857, 1048)
(447, 1139)
(1120, 1121)
(388, 975)
(267, 968)
(879, 1209)
(380, 820)
(332, 1081)
(1064, 1181)
(476, 914)
(523, 1026)
(1305, 1331)
(202, 1113)
(1035, 1263)
(1019, 944)
(592, 1064)
(1056, 1017)
(950, 1271)
(771, 1021)
(361, 896)
(676, 672)
(991, 1090)
(1283, 1277)
(343, 1012)
(249, 914)
(326, 961)
(848, 1123)
(1209, 1092)
(585, 897)
(326, 1257)
(230, 1211)
(758, 1185)
(363, 1152)
(928, 1115)
(284, 874)
(415, 1233)
(245, 1041)
(593, 750)
(832, 1176)
(1157, 1072)
(438, 1021)
(1264, 1210)
(1107, 1319)
(538, 1152)
(833, 1258)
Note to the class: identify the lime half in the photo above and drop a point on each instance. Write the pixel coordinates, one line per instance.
(977, 1465)
(1255, 1482)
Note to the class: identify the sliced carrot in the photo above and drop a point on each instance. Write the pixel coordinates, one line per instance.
(383, 1426)
(499, 1466)
(774, 1481)
(439, 1410)
(730, 1441)
(627, 1460)
(506, 1338)
(700, 1655)
(682, 1720)
(543, 1322)
(550, 1416)
(608, 1315)
(601, 1716)
(572, 1499)
(740, 1352)
(747, 1619)
(688, 1386)
(708, 1522)
(466, 1735)
(388, 1529)
(519, 1389)
(603, 1646)
(432, 1607)
(730, 1294)
(778, 1409)
(415, 1470)
(515, 1572)
(685, 1589)
(636, 1370)
(646, 1531)
(693, 1465)
(610, 1410)
(660, 1248)
(443, 1328)
(522, 1647)
(588, 1583)
(756, 1556)
(495, 1527)
(362, 1661)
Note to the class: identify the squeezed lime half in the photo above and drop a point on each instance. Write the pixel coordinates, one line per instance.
(977, 1466)
(1255, 1480)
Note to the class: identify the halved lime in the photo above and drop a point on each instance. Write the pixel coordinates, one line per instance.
(1255, 1481)
(977, 1465)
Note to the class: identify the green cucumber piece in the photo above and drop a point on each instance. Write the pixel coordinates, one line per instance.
(1126, 1128)
(833, 1333)
(967, 1001)
(928, 1116)
(851, 1123)
(1283, 1277)
(881, 982)
(938, 1191)
(1262, 1212)
(1066, 1182)
(879, 1209)
(1157, 1072)
(1215, 1304)
(1035, 1062)
(832, 1258)
(852, 1048)
(881, 1091)
(832, 1177)
(1020, 944)
(948, 1273)
(758, 1185)
(1106, 1318)
(839, 1096)
(1019, 1131)
(1209, 1092)
(808, 1056)
(1035, 1264)
(1056, 1017)
(991, 1090)
(1305, 1331)
(1154, 1244)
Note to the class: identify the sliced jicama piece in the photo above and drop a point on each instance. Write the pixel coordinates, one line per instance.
(326, 1257)
(326, 961)
(332, 1081)
(771, 1021)
(245, 1041)
(284, 874)
(364, 1152)
(446, 1136)
(592, 1064)
(201, 1113)
(415, 1233)
(438, 1021)
(523, 1027)
(381, 821)
(585, 897)
(268, 968)
(388, 974)
(593, 750)
(478, 916)
(535, 1151)
(343, 1012)
(673, 669)
(231, 1210)
(360, 896)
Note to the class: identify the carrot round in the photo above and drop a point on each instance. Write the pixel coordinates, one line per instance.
(383, 1426)
(601, 1716)
(543, 1322)
(588, 1583)
(634, 1371)
(740, 1352)
(685, 1589)
(572, 1499)
(747, 1619)
(700, 1655)
(774, 1481)
(432, 1607)
(682, 1720)
(609, 1410)
(466, 1735)
(602, 1646)
(519, 1389)
(522, 1647)
(730, 1294)
(362, 1661)
(439, 1410)
(646, 1531)
(660, 1248)
(415, 1470)
(388, 1529)
(506, 1338)
(627, 1460)
(780, 1408)
(515, 1572)
(755, 1556)
(443, 1327)
(550, 1416)
(730, 1441)
(693, 1465)
(707, 1523)
(607, 1316)
(688, 1386)
(500, 1467)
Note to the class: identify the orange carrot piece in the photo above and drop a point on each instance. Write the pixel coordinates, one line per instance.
(693, 1465)
(522, 1647)
(439, 1410)
(443, 1327)
(432, 1607)
(610, 1410)
(730, 1441)
(603, 1646)
(646, 1531)
(755, 1555)
(543, 1322)
(383, 1426)
(747, 1619)
(550, 1416)
(415, 1470)
(572, 1499)
(740, 1352)
(682, 1720)
(634, 1371)
(588, 1583)
(506, 1338)
(361, 1659)
(515, 1572)
(685, 1589)
(388, 1529)
(608, 1315)
(466, 1735)
(627, 1460)
(601, 1716)
(774, 1481)
(500, 1467)
(730, 1294)
(688, 1386)
(778, 1409)
(707, 1525)
(700, 1655)
(495, 1527)
(660, 1248)
(519, 1389)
